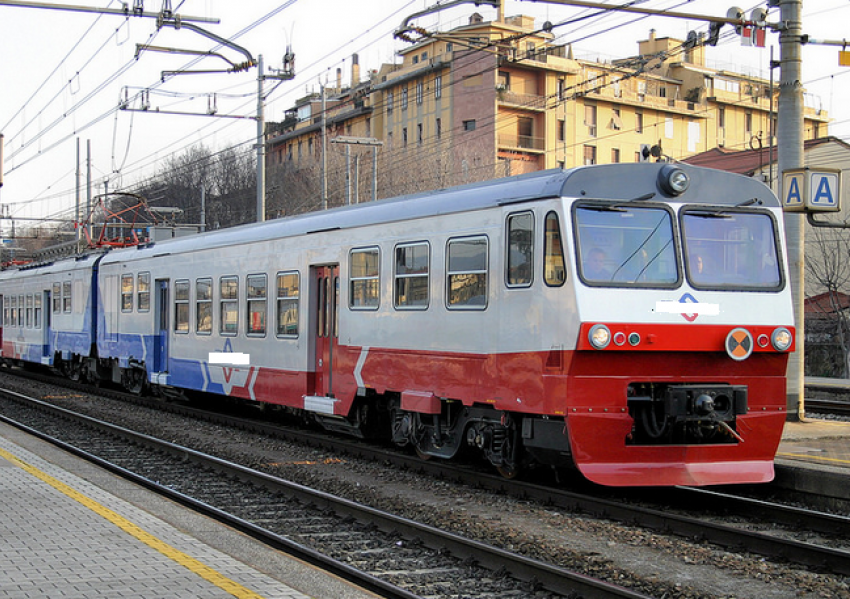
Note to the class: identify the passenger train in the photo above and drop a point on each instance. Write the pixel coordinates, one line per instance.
(630, 320)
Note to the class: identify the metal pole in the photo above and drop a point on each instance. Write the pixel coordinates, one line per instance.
(88, 188)
(357, 179)
(790, 155)
(348, 174)
(261, 145)
(203, 208)
(374, 173)
(77, 232)
(324, 152)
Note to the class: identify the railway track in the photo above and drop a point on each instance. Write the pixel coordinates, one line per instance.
(392, 556)
(685, 512)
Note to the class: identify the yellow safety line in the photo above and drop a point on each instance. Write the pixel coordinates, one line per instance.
(809, 456)
(193, 565)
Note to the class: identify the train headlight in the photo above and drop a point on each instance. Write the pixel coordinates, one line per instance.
(673, 180)
(599, 336)
(781, 339)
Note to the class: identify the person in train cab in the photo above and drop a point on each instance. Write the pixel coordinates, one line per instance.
(594, 266)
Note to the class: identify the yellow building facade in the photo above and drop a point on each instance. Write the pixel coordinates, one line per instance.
(491, 99)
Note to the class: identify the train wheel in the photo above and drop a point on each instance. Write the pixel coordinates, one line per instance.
(72, 370)
(135, 380)
(508, 472)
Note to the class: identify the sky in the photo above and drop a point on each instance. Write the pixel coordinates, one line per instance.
(63, 75)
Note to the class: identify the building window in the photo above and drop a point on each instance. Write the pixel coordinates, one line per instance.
(615, 155)
(419, 92)
(504, 82)
(562, 128)
(554, 271)
(256, 303)
(419, 134)
(181, 306)
(390, 99)
(126, 293)
(143, 292)
(365, 266)
(411, 276)
(520, 250)
(469, 125)
(638, 122)
(438, 87)
(562, 89)
(203, 306)
(229, 305)
(590, 154)
(525, 132)
(439, 128)
(616, 121)
(748, 123)
(590, 119)
(404, 137)
(466, 273)
(404, 98)
(287, 304)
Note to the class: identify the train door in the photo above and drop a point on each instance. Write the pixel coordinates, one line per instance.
(326, 283)
(160, 344)
(45, 312)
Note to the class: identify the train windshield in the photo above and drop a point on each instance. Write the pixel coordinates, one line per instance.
(626, 245)
(731, 249)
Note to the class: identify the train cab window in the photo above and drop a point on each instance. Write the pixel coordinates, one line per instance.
(288, 291)
(466, 273)
(411, 276)
(143, 292)
(256, 304)
(203, 306)
(733, 249)
(520, 251)
(181, 306)
(28, 300)
(554, 267)
(625, 245)
(36, 311)
(66, 297)
(57, 298)
(364, 275)
(229, 305)
(126, 293)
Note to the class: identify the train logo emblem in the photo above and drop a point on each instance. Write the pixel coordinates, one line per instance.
(739, 344)
(688, 299)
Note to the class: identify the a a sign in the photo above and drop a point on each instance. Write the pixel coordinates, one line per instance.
(844, 58)
(811, 190)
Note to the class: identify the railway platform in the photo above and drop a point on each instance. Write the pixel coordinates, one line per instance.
(814, 457)
(73, 530)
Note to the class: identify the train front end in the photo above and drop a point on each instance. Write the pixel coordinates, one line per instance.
(685, 327)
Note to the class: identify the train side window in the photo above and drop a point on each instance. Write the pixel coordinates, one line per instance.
(364, 273)
(13, 311)
(520, 250)
(203, 306)
(466, 273)
(181, 306)
(256, 304)
(57, 298)
(554, 269)
(36, 314)
(288, 291)
(29, 311)
(411, 276)
(66, 297)
(21, 310)
(126, 293)
(143, 292)
(229, 305)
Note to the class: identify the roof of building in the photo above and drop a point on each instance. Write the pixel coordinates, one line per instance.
(826, 304)
(746, 162)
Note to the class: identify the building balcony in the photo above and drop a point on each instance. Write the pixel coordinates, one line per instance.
(525, 101)
(522, 143)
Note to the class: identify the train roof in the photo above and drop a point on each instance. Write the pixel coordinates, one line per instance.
(81, 261)
(615, 182)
